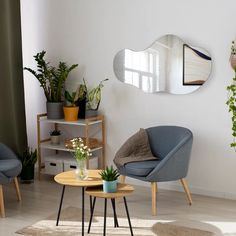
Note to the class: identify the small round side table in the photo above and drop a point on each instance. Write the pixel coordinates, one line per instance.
(68, 178)
(97, 192)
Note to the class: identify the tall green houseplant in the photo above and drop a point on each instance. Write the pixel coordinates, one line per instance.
(52, 80)
(231, 101)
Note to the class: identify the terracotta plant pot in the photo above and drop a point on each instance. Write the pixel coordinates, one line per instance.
(71, 113)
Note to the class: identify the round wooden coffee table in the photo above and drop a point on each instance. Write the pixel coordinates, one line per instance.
(97, 192)
(68, 178)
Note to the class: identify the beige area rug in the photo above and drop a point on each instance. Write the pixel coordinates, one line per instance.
(70, 225)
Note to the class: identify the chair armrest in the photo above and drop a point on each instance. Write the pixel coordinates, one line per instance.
(174, 165)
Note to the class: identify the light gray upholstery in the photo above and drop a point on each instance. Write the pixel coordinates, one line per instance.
(172, 145)
(10, 166)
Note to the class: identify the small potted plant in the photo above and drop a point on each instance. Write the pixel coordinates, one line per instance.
(71, 112)
(52, 80)
(109, 176)
(81, 153)
(81, 101)
(55, 136)
(93, 97)
(28, 160)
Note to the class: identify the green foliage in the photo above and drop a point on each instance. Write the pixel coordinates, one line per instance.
(94, 96)
(82, 91)
(231, 102)
(109, 174)
(51, 79)
(71, 98)
(55, 133)
(28, 157)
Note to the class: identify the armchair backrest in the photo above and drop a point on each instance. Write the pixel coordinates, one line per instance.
(6, 152)
(163, 139)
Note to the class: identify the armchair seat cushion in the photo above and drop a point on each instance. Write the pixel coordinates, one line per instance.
(141, 168)
(10, 167)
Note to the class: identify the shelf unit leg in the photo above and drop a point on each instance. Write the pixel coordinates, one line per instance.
(39, 149)
(103, 144)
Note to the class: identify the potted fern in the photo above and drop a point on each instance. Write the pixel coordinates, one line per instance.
(71, 112)
(109, 177)
(52, 80)
(28, 160)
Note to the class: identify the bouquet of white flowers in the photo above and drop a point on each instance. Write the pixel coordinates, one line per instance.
(80, 152)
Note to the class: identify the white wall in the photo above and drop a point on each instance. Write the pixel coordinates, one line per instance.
(91, 32)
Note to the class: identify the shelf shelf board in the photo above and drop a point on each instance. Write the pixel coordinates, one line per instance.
(80, 122)
(61, 147)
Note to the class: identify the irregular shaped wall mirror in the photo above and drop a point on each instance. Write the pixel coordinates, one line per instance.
(168, 65)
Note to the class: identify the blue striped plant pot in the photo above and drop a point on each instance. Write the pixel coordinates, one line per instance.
(109, 186)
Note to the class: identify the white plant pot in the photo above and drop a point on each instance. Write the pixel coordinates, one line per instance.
(55, 139)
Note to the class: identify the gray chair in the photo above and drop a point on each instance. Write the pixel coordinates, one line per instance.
(172, 146)
(10, 168)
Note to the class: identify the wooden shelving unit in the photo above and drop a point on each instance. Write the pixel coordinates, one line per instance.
(86, 124)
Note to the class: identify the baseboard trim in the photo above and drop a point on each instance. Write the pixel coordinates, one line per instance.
(175, 186)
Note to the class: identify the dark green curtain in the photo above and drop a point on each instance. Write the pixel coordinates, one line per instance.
(12, 108)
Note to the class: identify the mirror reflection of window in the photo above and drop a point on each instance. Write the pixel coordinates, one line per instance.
(140, 69)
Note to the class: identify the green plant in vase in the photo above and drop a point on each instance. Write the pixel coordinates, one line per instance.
(81, 153)
(109, 177)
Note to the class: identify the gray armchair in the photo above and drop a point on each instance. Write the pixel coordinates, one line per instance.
(172, 146)
(10, 168)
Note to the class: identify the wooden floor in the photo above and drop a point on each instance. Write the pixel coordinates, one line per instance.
(41, 199)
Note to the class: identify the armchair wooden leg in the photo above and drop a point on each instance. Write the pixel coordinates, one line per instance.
(186, 189)
(154, 198)
(17, 188)
(2, 202)
(122, 179)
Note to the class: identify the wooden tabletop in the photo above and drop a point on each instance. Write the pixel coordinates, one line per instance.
(122, 191)
(69, 178)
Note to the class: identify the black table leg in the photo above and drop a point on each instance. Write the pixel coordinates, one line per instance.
(90, 200)
(127, 212)
(113, 202)
(82, 211)
(91, 216)
(59, 211)
(105, 217)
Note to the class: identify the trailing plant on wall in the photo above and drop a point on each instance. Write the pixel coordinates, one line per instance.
(231, 101)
